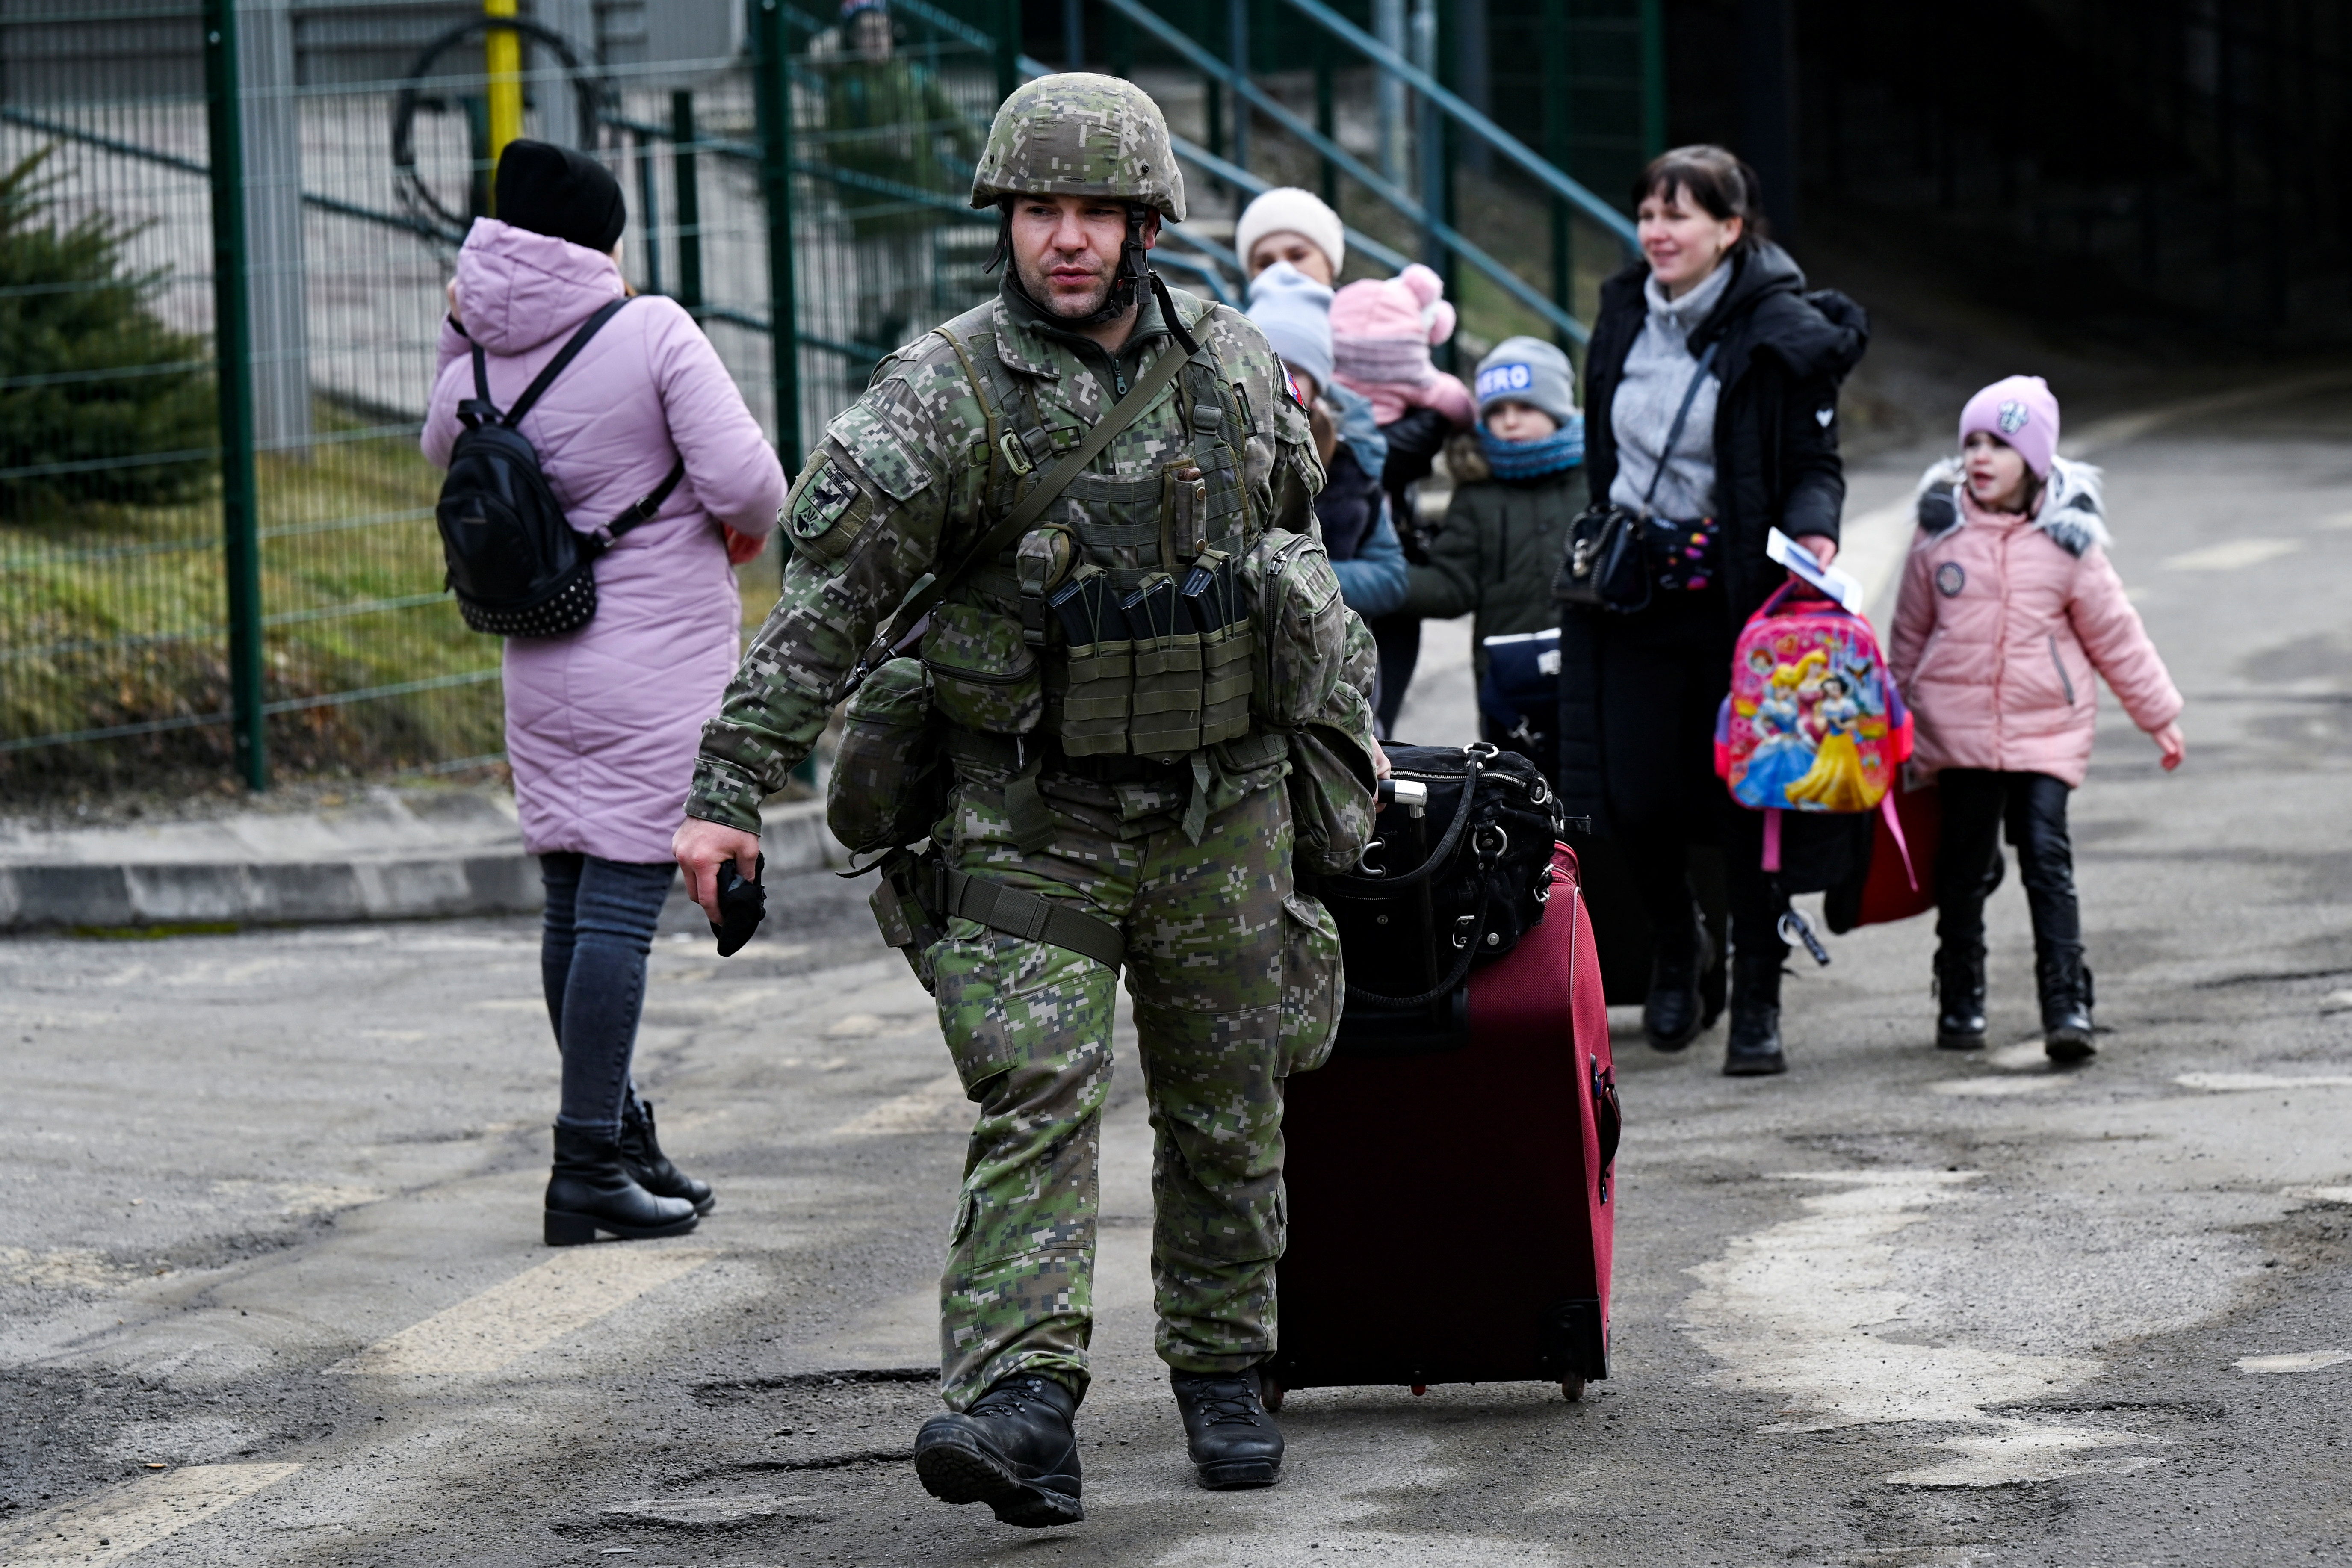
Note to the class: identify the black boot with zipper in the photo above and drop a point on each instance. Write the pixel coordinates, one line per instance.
(641, 1152)
(2065, 981)
(1961, 996)
(1754, 1048)
(591, 1191)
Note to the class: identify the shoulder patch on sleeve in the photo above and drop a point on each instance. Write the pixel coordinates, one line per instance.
(827, 508)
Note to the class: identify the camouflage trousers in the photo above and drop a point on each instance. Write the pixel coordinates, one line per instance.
(1235, 981)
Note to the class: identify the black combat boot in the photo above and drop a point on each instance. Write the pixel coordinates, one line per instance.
(1014, 1449)
(1961, 996)
(641, 1152)
(1232, 1439)
(590, 1190)
(1754, 1048)
(2066, 985)
(1675, 1012)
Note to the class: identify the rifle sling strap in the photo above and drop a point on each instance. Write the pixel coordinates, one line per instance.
(1031, 507)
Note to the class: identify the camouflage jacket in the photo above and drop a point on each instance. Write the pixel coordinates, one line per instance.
(899, 486)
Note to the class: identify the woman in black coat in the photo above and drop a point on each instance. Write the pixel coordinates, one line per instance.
(1757, 450)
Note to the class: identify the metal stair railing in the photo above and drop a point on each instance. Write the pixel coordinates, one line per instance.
(1413, 211)
(1544, 171)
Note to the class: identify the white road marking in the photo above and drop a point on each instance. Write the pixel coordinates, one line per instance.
(1795, 1309)
(2292, 1361)
(133, 1517)
(2233, 555)
(938, 1106)
(2320, 1195)
(2018, 1057)
(709, 1510)
(2244, 1082)
(511, 1319)
(1997, 1088)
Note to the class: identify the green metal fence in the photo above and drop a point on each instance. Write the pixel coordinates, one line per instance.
(209, 578)
(141, 580)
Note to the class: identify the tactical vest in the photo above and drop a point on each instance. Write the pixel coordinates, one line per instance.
(1121, 625)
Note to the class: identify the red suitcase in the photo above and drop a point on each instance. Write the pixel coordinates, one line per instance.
(1451, 1211)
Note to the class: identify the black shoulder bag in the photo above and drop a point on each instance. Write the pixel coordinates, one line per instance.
(1607, 561)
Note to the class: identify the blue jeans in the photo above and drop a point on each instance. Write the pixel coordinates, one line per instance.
(601, 916)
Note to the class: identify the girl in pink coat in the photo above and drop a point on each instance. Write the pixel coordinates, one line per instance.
(2009, 608)
(602, 723)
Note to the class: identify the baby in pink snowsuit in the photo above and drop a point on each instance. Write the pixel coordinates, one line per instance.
(1382, 332)
(2009, 614)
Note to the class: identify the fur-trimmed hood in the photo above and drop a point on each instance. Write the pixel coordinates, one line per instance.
(2071, 511)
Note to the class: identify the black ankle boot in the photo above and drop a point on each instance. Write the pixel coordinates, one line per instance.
(1232, 1439)
(1754, 1047)
(641, 1152)
(1014, 1450)
(2065, 981)
(1675, 1012)
(589, 1191)
(1960, 997)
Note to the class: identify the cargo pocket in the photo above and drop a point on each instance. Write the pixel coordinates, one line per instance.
(1302, 628)
(1314, 983)
(888, 784)
(984, 676)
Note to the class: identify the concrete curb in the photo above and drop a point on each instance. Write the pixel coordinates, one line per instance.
(393, 855)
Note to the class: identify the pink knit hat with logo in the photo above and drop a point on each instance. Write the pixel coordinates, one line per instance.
(1381, 329)
(2020, 410)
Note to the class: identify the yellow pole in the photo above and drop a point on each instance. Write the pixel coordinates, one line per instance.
(502, 52)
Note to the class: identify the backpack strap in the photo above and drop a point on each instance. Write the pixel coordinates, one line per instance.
(555, 367)
(643, 512)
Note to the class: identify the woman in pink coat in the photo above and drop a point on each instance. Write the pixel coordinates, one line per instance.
(603, 722)
(2009, 608)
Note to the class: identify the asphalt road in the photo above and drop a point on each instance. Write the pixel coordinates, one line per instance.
(271, 1291)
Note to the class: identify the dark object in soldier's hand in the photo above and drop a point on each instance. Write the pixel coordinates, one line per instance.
(741, 906)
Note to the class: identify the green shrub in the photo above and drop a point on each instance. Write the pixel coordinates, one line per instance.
(68, 308)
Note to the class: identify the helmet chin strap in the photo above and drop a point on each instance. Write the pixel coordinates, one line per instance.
(1126, 284)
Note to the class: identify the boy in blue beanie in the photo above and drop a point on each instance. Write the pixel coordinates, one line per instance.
(1518, 480)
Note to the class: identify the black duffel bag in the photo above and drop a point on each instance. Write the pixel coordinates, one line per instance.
(1444, 886)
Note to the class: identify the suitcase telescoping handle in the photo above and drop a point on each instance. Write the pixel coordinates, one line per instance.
(1410, 794)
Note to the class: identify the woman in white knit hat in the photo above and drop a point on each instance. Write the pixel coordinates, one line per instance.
(1287, 223)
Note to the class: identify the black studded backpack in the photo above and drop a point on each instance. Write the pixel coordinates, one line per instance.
(517, 566)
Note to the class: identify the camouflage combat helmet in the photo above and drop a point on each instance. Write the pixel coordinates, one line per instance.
(1078, 135)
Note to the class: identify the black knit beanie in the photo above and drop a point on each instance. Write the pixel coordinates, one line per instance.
(559, 192)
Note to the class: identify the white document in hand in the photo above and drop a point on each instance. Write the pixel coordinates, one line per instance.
(1839, 586)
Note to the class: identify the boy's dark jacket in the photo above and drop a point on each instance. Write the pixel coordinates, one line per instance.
(1784, 352)
(1498, 551)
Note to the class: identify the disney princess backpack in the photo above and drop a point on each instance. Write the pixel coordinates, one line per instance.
(1813, 722)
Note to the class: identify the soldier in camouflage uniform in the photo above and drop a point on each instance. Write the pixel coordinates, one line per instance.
(1116, 796)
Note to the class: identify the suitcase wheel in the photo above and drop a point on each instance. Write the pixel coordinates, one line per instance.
(1572, 1389)
(1269, 1393)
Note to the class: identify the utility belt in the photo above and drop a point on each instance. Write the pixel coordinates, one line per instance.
(920, 894)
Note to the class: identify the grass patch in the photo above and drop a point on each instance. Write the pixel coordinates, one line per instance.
(115, 617)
